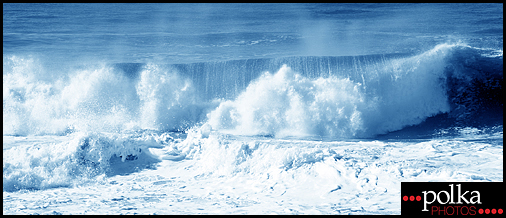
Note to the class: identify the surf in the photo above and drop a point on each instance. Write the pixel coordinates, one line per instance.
(329, 96)
(117, 119)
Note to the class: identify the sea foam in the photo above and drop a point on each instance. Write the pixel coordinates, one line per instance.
(337, 97)
(399, 93)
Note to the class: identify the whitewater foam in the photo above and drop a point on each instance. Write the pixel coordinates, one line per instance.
(268, 109)
(76, 159)
(168, 102)
(380, 99)
(339, 97)
(286, 103)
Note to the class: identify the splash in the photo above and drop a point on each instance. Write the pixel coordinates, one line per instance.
(399, 93)
(337, 97)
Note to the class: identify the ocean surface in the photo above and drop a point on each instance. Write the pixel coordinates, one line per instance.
(246, 108)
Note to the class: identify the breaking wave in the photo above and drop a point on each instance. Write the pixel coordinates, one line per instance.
(338, 97)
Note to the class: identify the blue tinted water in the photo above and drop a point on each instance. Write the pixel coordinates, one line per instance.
(246, 108)
(184, 33)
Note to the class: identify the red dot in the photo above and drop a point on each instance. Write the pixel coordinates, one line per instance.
(493, 211)
(411, 198)
(405, 198)
(418, 198)
(480, 211)
(499, 211)
(487, 211)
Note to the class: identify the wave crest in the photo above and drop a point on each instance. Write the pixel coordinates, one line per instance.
(286, 104)
(341, 97)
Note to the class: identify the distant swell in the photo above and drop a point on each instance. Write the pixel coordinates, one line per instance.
(337, 97)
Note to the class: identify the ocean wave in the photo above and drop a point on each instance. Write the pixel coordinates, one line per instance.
(339, 97)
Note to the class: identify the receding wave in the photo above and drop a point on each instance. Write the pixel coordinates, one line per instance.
(337, 97)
